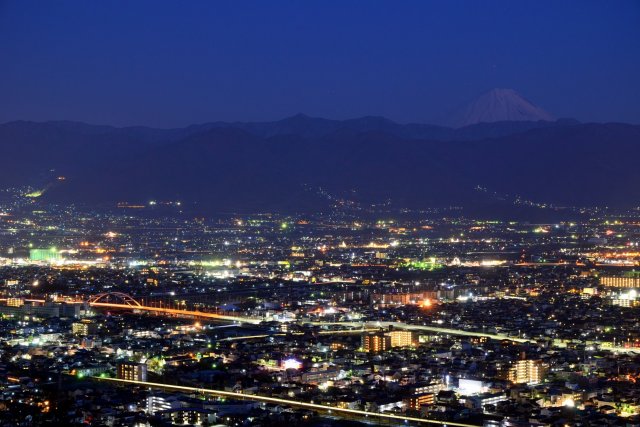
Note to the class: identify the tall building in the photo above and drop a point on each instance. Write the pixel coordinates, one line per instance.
(526, 371)
(158, 402)
(15, 302)
(376, 342)
(403, 338)
(131, 371)
(416, 402)
(84, 328)
(630, 279)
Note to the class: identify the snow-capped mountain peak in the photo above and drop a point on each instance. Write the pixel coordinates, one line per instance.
(498, 105)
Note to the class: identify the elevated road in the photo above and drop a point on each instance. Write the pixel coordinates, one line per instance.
(353, 325)
(324, 409)
(411, 327)
(177, 312)
(127, 302)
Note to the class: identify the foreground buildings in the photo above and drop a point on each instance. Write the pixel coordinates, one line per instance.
(385, 318)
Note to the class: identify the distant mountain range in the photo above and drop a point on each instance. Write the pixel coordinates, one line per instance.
(282, 165)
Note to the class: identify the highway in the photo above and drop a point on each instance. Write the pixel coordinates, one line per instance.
(282, 334)
(334, 411)
(354, 325)
(410, 327)
(176, 312)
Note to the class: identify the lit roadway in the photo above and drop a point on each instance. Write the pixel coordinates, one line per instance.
(410, 327)
(331, 410)
(356, 325)
(176, 312)
(340, 332)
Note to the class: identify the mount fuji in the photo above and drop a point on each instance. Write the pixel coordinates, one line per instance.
(498, 105)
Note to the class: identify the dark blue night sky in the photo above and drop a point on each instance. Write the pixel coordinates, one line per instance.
(170, 64)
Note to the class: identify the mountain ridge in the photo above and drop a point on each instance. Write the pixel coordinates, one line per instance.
(309, 126)
(222, 167)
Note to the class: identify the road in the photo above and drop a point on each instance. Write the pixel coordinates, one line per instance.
(354, 325)
(339, 412)
(176, 312)
(410, 327)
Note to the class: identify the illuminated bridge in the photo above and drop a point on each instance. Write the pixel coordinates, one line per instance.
(122, 301)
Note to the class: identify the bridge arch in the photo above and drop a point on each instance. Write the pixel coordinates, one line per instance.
(121, 296)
